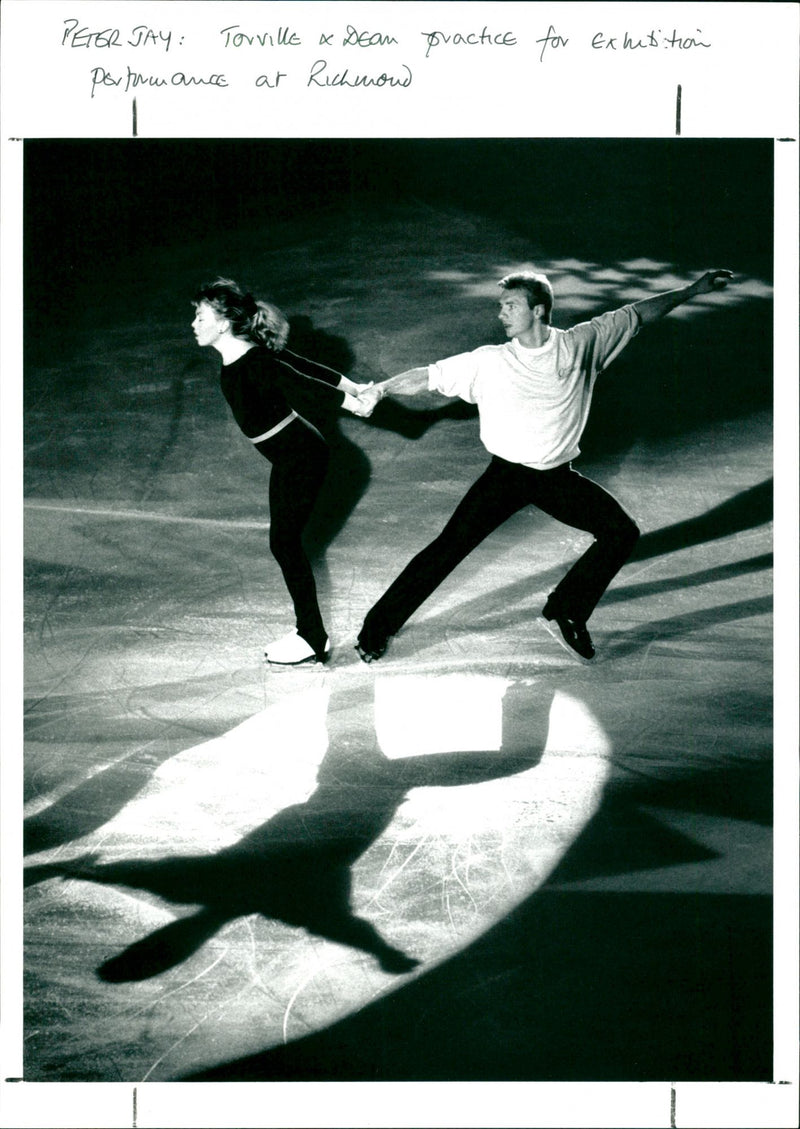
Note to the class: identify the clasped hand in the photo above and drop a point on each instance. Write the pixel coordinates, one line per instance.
(365, 399)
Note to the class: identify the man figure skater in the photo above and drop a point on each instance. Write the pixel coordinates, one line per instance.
(533, 395)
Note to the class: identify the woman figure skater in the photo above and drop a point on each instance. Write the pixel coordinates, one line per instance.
(257, 379)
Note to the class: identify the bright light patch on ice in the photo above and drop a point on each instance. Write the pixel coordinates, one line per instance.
(207, 796)
(416, 714)
(574, 728)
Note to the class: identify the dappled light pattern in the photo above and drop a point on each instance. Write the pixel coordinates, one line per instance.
(586, 287)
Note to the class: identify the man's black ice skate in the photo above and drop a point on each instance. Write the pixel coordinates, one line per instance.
(572, 634)
(371, 648)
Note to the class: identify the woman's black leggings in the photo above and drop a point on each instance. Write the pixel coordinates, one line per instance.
(502, 490)
(299, 457)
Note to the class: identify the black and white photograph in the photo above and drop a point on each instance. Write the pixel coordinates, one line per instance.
(398, 640)
(230, 873)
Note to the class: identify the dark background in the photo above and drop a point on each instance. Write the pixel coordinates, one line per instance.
(94, 209)
(88, 202)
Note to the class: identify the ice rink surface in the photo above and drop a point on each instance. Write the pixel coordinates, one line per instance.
(475, 859)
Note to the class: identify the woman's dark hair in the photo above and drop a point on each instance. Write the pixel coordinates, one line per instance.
(538, 290)
(250, 318)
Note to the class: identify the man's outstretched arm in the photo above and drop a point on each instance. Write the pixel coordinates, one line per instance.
(651, 309)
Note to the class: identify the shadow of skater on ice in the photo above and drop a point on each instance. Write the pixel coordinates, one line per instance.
(296, 867)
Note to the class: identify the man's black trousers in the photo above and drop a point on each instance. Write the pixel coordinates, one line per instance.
(502, 490)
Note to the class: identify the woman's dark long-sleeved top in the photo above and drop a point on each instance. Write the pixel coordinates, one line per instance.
(260, 385)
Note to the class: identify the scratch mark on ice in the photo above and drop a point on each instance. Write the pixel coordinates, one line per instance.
(300, 988)
(399, 870)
